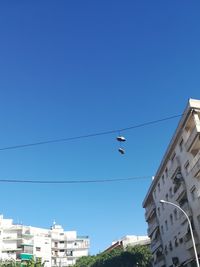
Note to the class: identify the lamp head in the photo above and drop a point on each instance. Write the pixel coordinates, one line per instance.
(162, 201)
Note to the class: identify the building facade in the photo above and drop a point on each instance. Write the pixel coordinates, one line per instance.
(53, 247)
(177, 181)
(129, 240)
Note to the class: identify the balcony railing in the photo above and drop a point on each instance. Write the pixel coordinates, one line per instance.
(188, 240)
(149, 211)
(83, 237)
(180, 190)
(11, 249)
(160, 261)
(195, 165)
(11, 238)
(191, 139)
(174, 166)
(186, 208)
(155, 244)
(152, 227)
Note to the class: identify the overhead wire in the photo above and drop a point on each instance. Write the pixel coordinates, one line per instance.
(89, 135)
(25, 181)
(73, 181)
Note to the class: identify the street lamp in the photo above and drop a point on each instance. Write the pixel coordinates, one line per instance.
(190, 225)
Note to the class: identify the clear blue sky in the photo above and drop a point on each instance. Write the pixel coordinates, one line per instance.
(70, 68)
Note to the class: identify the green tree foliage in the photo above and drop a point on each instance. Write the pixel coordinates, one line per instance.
(9, 263)
(86, 261)
(28, 263)
(138, 256)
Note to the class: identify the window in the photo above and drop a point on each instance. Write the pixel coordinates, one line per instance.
(62, 242)
(181, 240)
(186, 166)
(170, 192)
(193, 193)
(38, 249)
(175, 241)
(166, 172)
(175, 215)
(158, 187)
(181, 145)
(166, 225)
(170, 246)
(171, 219)
(158, 211)
(173, 157)
(166, 251)
(198, 219)
(154, 192)
(61, 250)
(69, 253)
(163, 179)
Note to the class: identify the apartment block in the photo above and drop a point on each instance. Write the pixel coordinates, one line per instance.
(53, 247)
(67, 247)
(177, 181)
(129, 240)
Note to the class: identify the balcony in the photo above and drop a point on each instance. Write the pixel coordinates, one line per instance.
(155, 244)
(81, 237)
(160, 260)
(188, 240)
(149, 211)
(195, 165)
(189, 244)
(27, 242)
(27, 235)
(179, 190)
(78, 247)
(11, 238)
(191, 139)
(10, 249)
(186, 208)
(174, 166)
(152, 227)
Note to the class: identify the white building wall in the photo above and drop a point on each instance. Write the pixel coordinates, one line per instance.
(167, 226)
(54, 247)
(42, 249)
(67, 247)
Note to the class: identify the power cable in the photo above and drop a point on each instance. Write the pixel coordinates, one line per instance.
(89, 135)
(73, 181)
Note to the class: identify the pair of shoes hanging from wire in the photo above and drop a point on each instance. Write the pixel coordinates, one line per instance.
(121, 139)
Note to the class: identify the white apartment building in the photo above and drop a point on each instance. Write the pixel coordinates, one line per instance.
(178, 181)
(67, 247)
(54, 247)
(129, 240)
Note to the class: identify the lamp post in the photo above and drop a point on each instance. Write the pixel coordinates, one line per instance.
(190, 225)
